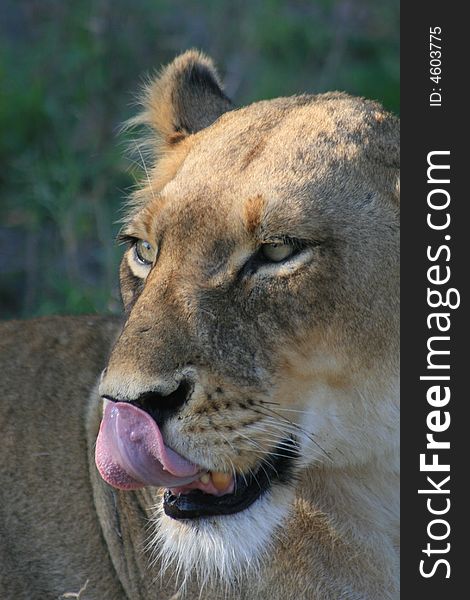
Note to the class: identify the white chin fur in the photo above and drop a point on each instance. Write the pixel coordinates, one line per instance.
(219, 550)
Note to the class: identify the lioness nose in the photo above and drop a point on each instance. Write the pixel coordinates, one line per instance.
(159, 403)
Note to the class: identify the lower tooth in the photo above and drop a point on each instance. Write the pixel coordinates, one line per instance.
(205, 479)
(221, 480)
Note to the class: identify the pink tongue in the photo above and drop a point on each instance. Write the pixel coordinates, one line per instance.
(130, 452)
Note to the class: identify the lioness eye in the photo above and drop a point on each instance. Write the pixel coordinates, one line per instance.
(277, 252)
(145, 252)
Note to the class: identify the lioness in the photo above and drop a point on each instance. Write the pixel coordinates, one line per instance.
(242, 440)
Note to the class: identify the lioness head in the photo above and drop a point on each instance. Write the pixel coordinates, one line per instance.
(261, 291)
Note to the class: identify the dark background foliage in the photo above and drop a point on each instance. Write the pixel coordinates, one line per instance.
(69, 71)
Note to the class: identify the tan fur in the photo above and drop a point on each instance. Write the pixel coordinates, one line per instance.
(253, 212)
(307, 347)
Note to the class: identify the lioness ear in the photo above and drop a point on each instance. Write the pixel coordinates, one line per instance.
(185, 98)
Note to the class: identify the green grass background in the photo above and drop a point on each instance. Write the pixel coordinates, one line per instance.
(69, 71)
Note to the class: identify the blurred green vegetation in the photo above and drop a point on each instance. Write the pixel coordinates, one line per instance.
(68, 75)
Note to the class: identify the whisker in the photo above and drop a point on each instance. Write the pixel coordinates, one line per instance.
(297, 427)
(145, 169)
(274, 441)
(294, 410)
(254, 477)
(266, 473)
(232, 465)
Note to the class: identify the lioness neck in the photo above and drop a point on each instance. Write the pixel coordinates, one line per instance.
(341, 533)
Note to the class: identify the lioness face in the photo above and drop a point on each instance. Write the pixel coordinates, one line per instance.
(261, 290)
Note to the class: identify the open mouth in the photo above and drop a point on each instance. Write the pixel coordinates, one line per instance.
(131, 454)
(245, 489)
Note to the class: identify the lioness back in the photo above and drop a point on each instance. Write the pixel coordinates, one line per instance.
(51, 542)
